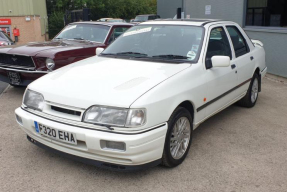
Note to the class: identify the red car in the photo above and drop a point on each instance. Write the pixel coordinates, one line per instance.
(20, 65)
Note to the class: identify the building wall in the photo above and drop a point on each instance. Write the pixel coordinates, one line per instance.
(275, 45)
(220, 9)
(168, 8)
(30, 31)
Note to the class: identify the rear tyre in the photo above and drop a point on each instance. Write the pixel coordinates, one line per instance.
(178, 137)
(250, 99)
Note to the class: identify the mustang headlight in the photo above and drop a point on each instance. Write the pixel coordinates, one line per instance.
(33, 100)
(115, 116)
(50, 64)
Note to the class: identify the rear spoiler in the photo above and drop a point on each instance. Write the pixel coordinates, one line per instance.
(257, 42)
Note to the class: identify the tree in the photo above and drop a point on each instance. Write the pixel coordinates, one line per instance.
(125, 9)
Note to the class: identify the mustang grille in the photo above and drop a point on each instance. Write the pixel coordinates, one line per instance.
(17, 61)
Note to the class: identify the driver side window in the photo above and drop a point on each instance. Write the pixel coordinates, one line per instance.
(218, 45)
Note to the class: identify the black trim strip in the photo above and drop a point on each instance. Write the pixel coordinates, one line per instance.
(220, 96)
(263, 69)
(95, 129)
(207, 22)
(101, 164)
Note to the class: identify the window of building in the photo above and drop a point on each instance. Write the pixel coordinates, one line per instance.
(271, 13)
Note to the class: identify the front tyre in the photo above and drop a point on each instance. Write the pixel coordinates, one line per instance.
(178, 137)
(249, 100)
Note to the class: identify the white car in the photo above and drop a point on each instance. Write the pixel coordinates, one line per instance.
(137, 103)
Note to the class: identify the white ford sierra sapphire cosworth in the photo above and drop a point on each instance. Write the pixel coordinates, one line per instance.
(136, 104)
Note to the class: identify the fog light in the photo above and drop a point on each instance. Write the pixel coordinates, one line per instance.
(19, 120)
(113, 145)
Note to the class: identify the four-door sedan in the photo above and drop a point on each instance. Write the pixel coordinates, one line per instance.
(21, 65)
(137, 103)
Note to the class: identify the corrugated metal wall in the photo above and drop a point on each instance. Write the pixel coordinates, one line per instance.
(25, 8)
(17, 7)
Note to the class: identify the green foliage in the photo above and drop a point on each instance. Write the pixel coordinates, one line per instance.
(56, 23)
(125, 9)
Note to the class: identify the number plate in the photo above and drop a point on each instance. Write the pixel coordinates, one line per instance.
(55, 134)
(14, 77)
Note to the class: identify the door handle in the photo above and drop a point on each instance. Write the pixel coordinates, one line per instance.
(251, 58)
(233, 66)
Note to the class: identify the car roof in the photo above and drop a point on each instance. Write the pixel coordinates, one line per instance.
(103, 23)
(195, 21)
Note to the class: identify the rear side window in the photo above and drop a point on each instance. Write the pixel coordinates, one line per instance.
(239, 42)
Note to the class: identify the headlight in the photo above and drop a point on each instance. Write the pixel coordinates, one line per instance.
(33, 100)
(115, 116)
(50, 64)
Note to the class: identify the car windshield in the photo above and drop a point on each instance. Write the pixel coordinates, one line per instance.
(163, 42)
(141, 18)
(89, 32)
(4, 36)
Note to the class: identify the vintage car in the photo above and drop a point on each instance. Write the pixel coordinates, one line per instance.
(137, 103)
(21, 65)
(5, 40)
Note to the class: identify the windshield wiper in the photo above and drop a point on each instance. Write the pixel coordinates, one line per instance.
(78, 38)
(170, 56)
(131, 53)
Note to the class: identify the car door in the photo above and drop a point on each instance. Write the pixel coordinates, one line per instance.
(244, 60)
(222, 80)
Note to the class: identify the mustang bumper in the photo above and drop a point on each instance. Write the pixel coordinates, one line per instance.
(142, 150)
(26, 77)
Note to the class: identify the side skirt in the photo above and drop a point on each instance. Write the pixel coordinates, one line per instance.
(221, 109)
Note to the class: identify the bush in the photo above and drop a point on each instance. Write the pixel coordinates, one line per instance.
(56, 23)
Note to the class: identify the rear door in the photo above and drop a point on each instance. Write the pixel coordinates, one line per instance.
(222, 80)
(244, 59)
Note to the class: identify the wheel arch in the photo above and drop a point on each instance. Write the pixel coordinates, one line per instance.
(189, 106)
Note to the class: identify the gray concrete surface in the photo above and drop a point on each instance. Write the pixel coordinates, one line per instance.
(237, 150)
(3, 86)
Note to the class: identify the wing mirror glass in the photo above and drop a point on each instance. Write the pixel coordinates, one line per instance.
(220, 61)
(99, 50)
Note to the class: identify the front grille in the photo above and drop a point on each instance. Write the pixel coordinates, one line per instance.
(17, 61)
(67, 111)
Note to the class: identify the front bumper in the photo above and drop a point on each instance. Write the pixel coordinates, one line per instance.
(144, 149)
(27, 77)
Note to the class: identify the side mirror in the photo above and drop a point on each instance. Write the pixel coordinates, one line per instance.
(220, 61)
(99, 50)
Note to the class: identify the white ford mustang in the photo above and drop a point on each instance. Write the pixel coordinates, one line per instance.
(137, 103)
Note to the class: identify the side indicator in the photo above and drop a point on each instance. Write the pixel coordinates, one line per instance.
(204, 99)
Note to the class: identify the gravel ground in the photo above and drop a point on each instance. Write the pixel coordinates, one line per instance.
(237, 150)
(2, 86)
